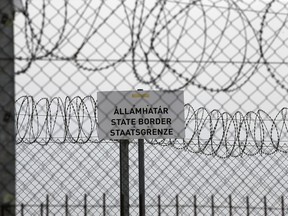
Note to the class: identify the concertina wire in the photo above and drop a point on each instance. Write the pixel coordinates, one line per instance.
(74, 120)
(148, 26)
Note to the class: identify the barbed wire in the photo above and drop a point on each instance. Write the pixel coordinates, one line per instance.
(232, 46)
(64, 48)
(74, 120)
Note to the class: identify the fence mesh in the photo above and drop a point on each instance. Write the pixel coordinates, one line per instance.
(229, 58)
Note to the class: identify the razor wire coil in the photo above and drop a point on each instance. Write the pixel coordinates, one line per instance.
(140, 16)
(74, 120)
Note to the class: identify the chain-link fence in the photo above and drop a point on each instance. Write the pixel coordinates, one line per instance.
(228, 57)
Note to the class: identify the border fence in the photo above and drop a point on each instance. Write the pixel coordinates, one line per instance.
(229, 58)
(172, 208)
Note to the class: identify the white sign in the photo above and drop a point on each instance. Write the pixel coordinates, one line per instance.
(141, 115)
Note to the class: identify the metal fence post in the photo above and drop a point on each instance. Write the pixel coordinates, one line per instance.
(247, 206)
(47, 205)
(159, 205)
(104, 204)
(212, 205)
(230, 205)
(66, 206)
(265, 206)
(124, 177)
(41, 209)
(7, 100)
(85, 205)
(177, 205)
(195, 205)
(141, 159)
(282, 206)
(22, 209)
